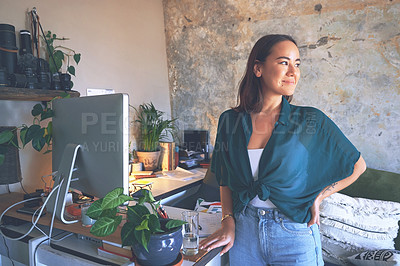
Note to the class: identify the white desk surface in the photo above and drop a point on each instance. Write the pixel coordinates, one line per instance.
(163, 186)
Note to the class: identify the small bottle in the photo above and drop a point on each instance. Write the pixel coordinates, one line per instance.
(176, 156)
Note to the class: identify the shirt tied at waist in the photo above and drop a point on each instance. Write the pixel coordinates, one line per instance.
(255, 188)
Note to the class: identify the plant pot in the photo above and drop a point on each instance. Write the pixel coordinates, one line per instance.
(163, 248)
(149, 159)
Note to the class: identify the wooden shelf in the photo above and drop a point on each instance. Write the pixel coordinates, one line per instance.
(37, 95)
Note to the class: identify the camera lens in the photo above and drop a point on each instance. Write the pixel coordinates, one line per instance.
(55, 82)
(25, 42)
(18, 80)
(3, 77)
(8, 49)
(31, 78)
(44, 80)
(66, 82)
(7, 35)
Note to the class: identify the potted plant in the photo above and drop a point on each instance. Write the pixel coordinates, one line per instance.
(154, 240)
(59, 54)
(153, 128)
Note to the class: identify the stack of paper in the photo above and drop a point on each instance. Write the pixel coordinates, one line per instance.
(209, 222)
(208, 207)
(181, 174)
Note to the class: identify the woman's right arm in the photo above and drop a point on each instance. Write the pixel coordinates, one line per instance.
(226, 234)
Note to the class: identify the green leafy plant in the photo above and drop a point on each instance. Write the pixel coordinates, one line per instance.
(153, 127)
(40, 136)
(141, 222)
(60, 54)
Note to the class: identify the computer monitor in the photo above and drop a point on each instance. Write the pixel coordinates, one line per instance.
(90, 135)
(195, 140)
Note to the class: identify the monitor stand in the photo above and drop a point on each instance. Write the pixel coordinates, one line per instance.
(64, 174)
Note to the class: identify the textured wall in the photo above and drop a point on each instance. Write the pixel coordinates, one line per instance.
(350, 63)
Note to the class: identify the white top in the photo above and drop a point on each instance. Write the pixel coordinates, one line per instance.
(254, 157)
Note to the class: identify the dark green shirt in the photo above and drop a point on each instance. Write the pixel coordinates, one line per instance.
(306, 153)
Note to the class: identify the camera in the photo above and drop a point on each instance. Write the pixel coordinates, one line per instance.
(27, 71)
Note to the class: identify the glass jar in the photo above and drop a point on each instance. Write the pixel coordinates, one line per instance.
(86, 220)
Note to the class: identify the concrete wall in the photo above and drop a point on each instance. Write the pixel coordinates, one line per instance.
(350, 63)
(123, 48)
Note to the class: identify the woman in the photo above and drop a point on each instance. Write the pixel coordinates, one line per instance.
(275, 163)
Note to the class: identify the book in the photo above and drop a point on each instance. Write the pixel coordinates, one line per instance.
(114, 256)
(141, 173)
(141, 182)
(117, 249)
(144, 176)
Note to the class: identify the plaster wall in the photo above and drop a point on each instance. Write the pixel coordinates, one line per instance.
(123, 48)
(350, 63)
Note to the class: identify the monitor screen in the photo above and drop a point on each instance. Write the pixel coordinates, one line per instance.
(91, 142)
(195, 140)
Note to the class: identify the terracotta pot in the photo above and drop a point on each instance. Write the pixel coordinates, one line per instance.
(149, 159)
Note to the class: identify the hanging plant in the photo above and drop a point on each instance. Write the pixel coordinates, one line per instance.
(61, 54)
(40, 136)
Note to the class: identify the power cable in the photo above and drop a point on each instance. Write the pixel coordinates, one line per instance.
(20, 182)
(38, 217)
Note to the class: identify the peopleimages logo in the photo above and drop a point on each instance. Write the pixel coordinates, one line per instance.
(311, 123)
(108, 124)
(101, 146)
(293, 126)
(294, 123)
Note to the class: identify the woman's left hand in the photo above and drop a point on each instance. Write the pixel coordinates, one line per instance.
(314, 213)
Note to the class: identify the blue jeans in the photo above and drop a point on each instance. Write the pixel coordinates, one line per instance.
(267, 237)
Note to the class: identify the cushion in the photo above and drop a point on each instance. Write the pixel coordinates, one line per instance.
(376, 184)
(353, 225)
(345, 208)
(376, 257)
(354, 241)
(358, 214)
(336, 252)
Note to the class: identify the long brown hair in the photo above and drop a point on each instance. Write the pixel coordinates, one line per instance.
(250, 97)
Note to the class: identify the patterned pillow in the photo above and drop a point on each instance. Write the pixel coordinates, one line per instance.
(376, 257)
(361, 213)
(353, 225)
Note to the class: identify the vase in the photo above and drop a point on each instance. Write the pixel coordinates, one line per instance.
(149, 159)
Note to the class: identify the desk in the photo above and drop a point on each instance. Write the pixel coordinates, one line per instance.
(8, 199)
(165, 187)
(160, 189)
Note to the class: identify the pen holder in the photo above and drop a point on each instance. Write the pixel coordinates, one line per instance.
(136, 167)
